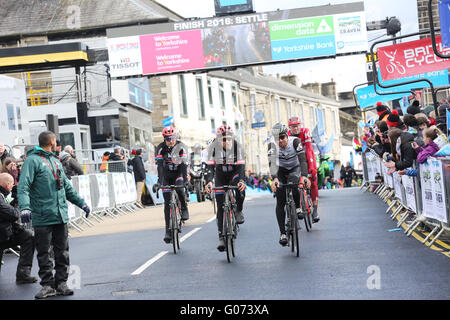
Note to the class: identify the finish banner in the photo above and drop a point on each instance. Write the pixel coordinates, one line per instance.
(237, 40)
(411, 58)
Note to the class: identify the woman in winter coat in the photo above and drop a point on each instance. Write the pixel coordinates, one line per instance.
(430, 147)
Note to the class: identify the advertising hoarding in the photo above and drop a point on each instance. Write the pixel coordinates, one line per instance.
(237, 40)
(411, 58)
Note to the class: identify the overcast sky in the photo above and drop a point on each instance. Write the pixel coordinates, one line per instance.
(346, 71)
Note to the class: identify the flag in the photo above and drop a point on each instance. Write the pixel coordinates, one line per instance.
(238, 114)
(327, 147)
(356, 144)
(315, 135)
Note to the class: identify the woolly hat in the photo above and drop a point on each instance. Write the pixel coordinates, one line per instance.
(393, 120)
(414, 108)
(381, 108)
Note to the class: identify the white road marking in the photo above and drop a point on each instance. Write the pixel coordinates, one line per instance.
(189, 234)
(210, 220)
(149, 262)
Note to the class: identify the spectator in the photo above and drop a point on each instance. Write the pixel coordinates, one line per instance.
(12, 233)
(393, 120)
(104, 165)
(423, 153)
(139, 174)
(117, 159)
(393, 135)
(70, 165)
(422, 124)
(441, 120)
(347, 174)
(405, 154)
(414, 108)
(43, 192)
(382, 111)
(412, 124)
(3, 154)
(58, 148)
(10, 166)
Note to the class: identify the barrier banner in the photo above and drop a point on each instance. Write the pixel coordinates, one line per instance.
(433, 192)
(84, 190)
(410, 192)
(372, 166)
(71, 208)
(387, 177)
(397, 185)
(103, 192)
(120, 188)
(131, 185)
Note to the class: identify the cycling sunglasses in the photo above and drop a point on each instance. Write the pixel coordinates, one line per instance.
(227, 139)
(169, 138)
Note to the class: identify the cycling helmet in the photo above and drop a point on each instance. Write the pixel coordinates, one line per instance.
(293, 121)
(209, 141)
(197, 147)
(224, 130)
(279, 129)
(169, 132)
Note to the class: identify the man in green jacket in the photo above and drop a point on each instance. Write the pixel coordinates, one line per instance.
(42, 192)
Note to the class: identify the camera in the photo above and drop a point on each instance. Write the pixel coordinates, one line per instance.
(59, 180)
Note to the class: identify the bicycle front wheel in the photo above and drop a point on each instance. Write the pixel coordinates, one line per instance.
(294, 229)
(174, 228)
(227, 232)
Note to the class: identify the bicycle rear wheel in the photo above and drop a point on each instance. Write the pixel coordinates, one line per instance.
(233, 233)
(227, 235)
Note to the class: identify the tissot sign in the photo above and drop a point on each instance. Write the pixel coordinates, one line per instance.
(411, 58)
(237, 40)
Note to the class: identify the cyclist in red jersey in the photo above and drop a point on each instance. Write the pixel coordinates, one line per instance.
(295, 130)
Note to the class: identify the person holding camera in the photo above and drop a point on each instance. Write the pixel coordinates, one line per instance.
(42, 192)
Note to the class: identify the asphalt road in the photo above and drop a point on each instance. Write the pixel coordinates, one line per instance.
(348, 255)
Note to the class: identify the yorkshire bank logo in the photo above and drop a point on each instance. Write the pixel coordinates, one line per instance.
(277, 49)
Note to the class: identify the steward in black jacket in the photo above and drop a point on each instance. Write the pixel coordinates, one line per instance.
(12, 233)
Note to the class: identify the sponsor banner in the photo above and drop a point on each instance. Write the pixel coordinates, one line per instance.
(103, 190)
(173, 51)
(433, 192)
(350, 32)
(84, 189)
(132, 193)
(70, 207)
(411, 58)
(124, 56)
(237, 40)
(397, 180)
(372, 166)
(367, 96)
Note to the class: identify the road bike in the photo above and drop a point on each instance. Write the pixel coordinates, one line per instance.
(230, 228)
(292, 224)
(175, 222)
(307, 205)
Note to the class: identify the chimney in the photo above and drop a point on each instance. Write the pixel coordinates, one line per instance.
(292, 79)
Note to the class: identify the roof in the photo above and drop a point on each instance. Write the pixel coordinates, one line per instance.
(36, 17)
(270, 83)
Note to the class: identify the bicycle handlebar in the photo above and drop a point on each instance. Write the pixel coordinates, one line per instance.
(225, 187)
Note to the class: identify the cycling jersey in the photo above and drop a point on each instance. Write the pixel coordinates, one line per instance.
(171, 160)
(288, 158)
(306, 139)
(225, 161)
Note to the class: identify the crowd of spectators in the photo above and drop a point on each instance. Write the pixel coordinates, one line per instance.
(402, 139)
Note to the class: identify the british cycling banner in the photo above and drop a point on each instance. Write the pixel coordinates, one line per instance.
(411, 58)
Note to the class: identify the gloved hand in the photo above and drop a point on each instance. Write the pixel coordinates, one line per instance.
(25, 216)
(86, 209)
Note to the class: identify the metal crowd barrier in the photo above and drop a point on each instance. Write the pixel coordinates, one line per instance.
(107, 194)
(425, 196)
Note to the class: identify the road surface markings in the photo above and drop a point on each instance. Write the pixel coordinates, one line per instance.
(161, 254)
(189, 234)
(149, 263)
(210, 220)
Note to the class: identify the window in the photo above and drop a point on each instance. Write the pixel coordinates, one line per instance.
(333, 113)
(320, 121)
(277, 110)
(210, 96)
(67, 139)
(224, 122)
(221, 95)
(19, 118)
(253, 103)
(11, 118)
(300, 112)
(213, 125)
(184, 111)
(200, 99)
(289, 108)
(312, 117)
(234, 95)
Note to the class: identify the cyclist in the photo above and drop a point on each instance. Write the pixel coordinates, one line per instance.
(287, 163)
(226, 165)
(171, 157)
(305, 136)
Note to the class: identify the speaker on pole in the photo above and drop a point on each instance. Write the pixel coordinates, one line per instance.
(52, 124)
